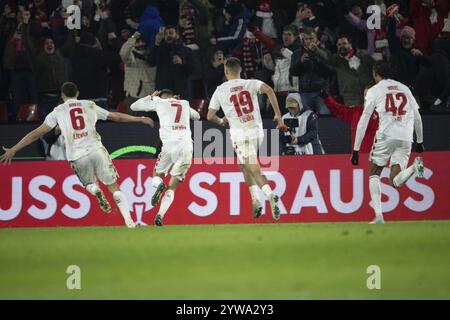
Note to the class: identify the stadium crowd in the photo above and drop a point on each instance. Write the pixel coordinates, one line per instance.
(323, 50)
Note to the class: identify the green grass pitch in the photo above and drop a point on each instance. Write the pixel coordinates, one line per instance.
(255, 261)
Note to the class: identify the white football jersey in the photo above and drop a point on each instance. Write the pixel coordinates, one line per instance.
(395, 104)
(239, 101)
(76, 119)
(173, 114)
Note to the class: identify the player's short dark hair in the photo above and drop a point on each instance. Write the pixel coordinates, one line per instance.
(291, 28)
(166, 92)
(69, 89)
(383, 69)
(233, 64)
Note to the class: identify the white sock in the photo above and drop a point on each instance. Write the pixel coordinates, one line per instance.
(267, 191)
(254, 192)
(166, 202)
(122, 204)
(403, 176)
(156, 181)
(375, 194)
(437, 101)
(92, 188)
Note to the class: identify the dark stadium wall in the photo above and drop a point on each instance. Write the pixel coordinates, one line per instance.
(334, 134)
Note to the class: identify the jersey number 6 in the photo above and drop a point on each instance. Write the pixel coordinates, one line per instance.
(76, 116)
(242, 102)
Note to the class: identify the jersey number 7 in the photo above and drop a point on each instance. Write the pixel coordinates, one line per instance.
(179, 109)
(242, 102)
(390, 103)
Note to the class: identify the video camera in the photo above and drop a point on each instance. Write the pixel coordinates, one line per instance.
(286, 139)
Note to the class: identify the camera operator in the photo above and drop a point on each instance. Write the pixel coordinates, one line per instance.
(302, 136)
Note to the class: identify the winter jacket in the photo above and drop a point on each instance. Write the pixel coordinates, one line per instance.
(149, 24)
(405, 65)
(49, 71)
(308, 142)
(352, 82)
(235, 32)
(425, 30)
(313, 74)
(168, 75)
(140, 77)
(282, 81)
(90, 71)
(351, 115)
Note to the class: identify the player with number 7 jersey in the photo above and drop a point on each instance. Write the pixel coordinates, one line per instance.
(176, 152)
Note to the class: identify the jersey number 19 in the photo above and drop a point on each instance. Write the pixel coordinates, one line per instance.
(242, 102)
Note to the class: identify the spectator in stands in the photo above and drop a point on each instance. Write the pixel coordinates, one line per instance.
(17, 61)
(428, 20)
(49, 68)
(282, 57)
(139, 75)
(351, 115)
(357, 37)
(405, 59)
(192, 28)
(378, 46)
(214, 75)
(194, 23)
(150, 24)
(301, 138)
(305, 18)
(90, 70)
(434, 83)
(279, 62)
(309, 65)
(236, 18)
(173, 61)
(354, 71)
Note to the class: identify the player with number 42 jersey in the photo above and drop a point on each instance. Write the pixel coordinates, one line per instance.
(399, 117)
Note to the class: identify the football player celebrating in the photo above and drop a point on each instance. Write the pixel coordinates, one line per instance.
(399, 117)
(88, 157)
(238, 99)
(177, 149)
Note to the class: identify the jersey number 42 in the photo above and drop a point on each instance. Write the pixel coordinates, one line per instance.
(391, 104)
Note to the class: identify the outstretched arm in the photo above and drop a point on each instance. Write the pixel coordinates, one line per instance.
(28, 139)
(122, 117)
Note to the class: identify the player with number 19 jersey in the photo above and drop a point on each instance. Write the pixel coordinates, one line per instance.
(77, 119)
(239, 101)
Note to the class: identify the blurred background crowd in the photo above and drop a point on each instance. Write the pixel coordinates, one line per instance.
(125, 49)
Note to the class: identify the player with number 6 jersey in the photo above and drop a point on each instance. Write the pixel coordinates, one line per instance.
(238, 99)
(399, 117)
(176, 153)
(87, 155)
